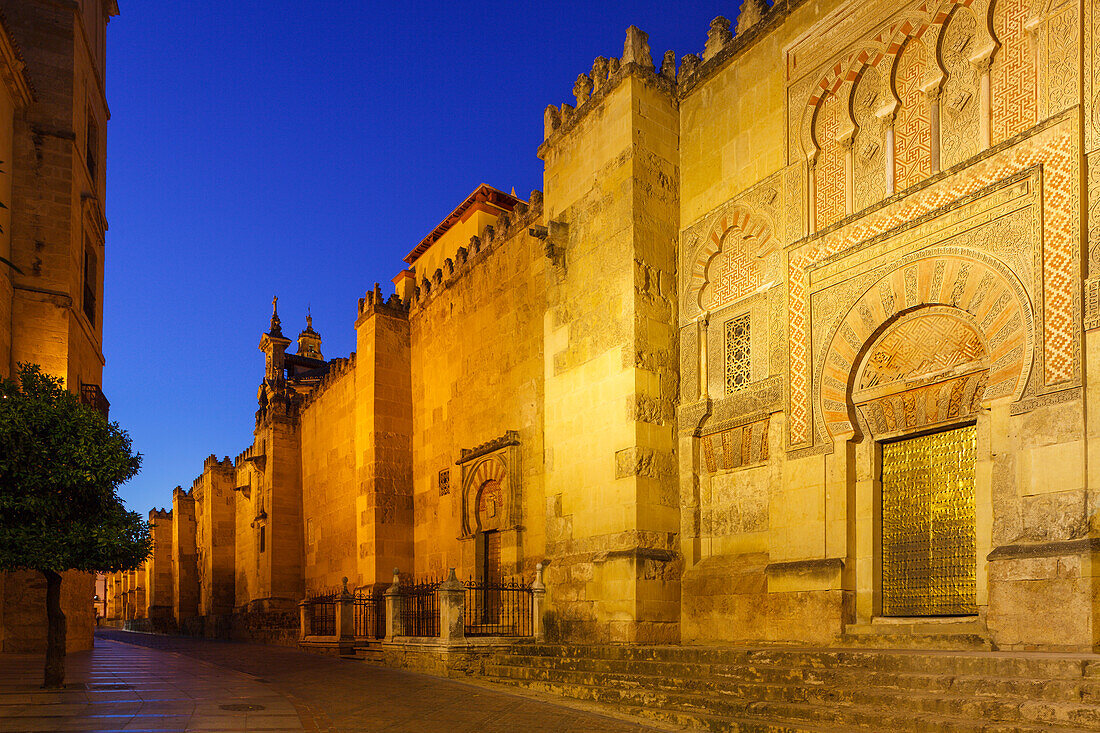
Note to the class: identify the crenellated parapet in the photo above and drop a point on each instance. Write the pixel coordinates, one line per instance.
(507, 225)
(726, 40)
(338, 369)
(592, 87)
(254, 454)
(375, 302)
(155, 514)
(212, 463)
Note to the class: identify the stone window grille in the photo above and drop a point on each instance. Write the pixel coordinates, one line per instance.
(738, 354)
(445, 482)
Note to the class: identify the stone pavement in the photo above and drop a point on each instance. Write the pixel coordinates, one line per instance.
(145, 682)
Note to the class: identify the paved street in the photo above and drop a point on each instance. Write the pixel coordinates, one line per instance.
(141, 682)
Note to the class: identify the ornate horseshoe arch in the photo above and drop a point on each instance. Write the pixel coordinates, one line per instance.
(493, 463)
(969, 304)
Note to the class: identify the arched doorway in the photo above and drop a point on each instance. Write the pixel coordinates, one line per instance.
(917, 390)
(489, 505)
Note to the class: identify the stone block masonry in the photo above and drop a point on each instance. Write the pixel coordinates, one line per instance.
(716, 376)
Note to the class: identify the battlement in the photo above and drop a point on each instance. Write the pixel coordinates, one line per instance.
(721, 44)
(507, 226)
(180, 493)
(374, 302)
(212, 463)
(754, 20)
(160, 514)
(253, 452)
(592, 87)
(338, 368)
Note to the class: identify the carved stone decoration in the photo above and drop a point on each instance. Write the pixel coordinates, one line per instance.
(868, 145)
(491, 485)
(929, 368)
(1057, 39)
(960, 107)
(912, 126)
(974, 331)
(737, 447)
(1093, 244)
(1013, 71)
(736, 257)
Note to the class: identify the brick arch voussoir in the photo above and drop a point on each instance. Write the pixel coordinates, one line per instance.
(998, 309)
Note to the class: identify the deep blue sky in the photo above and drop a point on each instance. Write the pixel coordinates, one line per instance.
(302, 149)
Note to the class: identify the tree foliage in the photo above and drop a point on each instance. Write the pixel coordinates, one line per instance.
(61, 464)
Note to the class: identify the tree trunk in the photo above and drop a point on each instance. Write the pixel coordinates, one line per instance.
(55, 632)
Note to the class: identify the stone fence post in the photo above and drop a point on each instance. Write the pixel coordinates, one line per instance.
(345, 615)
(538, 598)
(452, 610)
(303, 618)
(392, 595)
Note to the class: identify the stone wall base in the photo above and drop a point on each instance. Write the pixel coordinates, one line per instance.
(444, 660)
(261, 627)
(1041, 596)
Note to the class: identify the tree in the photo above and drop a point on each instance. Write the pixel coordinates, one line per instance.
(61, 464)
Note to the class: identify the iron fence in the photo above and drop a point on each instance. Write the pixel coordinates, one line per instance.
(370, 613)
(500, 607)
(420, 608)
(322, 615)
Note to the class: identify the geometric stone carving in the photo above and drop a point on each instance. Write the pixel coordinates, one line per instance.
(745, 445)
(1013, 71)
(727, 266)
(738, 354)
(912, 127)
(970, 312)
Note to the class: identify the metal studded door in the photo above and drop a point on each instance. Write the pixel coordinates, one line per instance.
(928, 525)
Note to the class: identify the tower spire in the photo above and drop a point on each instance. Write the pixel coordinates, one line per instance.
(276, 325)
(309, 341)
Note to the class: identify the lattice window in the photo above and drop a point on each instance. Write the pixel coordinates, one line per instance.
(738, 354)
(445, 482)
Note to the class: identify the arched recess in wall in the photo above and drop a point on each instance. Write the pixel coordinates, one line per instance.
(830, 184)
(913, 119)
(960, 105)
(951, 302)
(737, 258)
(868, 143)
(489, 472)
(1013, 70)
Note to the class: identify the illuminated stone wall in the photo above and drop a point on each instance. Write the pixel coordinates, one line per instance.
(672, 375)
(476, 345)
(53, 199)
(873, 182)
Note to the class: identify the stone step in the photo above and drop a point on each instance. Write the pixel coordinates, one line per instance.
(944, 642)
(1016, 708)
(987, 664)
(726, 713)
(1073, 689)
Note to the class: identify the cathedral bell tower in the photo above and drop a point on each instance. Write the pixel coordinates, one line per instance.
(274, 345)
(309, 341)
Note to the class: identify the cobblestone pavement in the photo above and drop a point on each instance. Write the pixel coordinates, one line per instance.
(132, 682)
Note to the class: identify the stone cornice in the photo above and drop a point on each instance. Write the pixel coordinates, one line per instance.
(509, 438)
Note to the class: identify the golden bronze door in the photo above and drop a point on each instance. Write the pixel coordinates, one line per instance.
(928, 558)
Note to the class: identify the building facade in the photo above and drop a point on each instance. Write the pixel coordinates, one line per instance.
(53, 120)
(794, 347)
